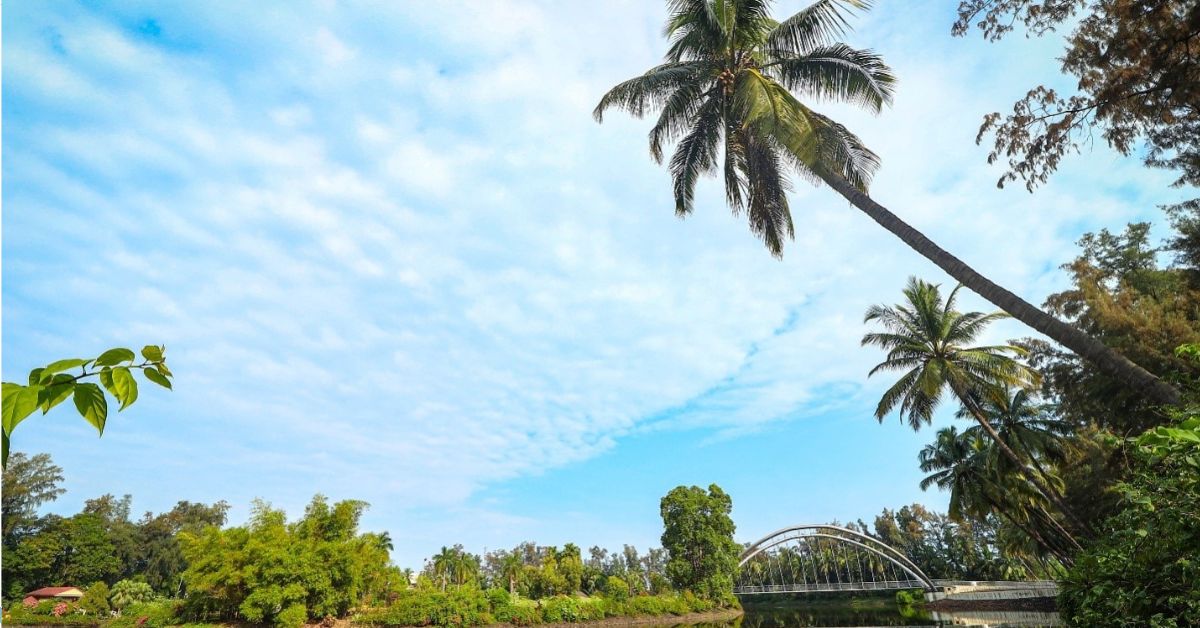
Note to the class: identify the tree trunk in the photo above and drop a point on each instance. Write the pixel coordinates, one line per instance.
(1032, 533)
(1025, 471)
(1103, 357)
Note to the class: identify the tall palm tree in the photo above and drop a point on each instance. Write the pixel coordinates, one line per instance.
(930, 341)
(511, 567)
(726, 85)
(444, 563)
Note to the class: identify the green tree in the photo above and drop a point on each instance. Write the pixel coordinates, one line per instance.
(726, 85)
(1122, 294)
(273, 572)
(160, 558)
(52, 384)
(930, 342)
(88, 554)
(698, 538)
(29, 482)
(570, 565)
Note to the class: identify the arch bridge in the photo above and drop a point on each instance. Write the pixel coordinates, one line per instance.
(819, 558)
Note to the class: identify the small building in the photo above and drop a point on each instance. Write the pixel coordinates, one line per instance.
(66, 594)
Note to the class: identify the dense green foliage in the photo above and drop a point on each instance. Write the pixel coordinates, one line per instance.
(1145, 570)
(101, 543)
(272, 571)
(470, 606)
(52, 384)
(697, 534)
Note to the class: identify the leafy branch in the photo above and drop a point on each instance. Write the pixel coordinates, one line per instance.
(52, 384)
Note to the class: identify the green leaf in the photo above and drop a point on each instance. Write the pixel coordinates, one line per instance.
(125, 385)
(18, 402)
(59, 389)
(35, 376)
(152, 353)
(92, 405)
(62, 365)
(106, 379)
(162, 368)
(113, 357)
(156, 377)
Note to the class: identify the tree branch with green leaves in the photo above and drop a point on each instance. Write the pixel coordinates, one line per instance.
(52, 384)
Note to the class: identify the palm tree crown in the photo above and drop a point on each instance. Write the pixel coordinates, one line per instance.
(727, 83)
(930, 341)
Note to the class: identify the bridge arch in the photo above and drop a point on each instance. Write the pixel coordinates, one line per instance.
(801, 540)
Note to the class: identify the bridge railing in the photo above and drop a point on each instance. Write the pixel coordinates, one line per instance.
(823, 587)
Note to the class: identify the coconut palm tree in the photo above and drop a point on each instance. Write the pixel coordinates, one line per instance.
(930, 341)
(963, 463)
(724, 94)
(1026, 426)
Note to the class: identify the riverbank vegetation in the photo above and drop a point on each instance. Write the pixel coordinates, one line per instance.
(183, 566)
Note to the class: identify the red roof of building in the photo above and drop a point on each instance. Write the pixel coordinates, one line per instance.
(53, 591)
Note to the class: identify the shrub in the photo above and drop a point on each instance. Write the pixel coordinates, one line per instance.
(616, 589)
(910, 597)
(560, 608)
(1143, 570)
(149, 615)
(95, 600)
(128, 592)
(517, 614)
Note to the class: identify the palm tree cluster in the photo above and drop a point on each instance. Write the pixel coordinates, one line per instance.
(1003, 465)
(453, 565)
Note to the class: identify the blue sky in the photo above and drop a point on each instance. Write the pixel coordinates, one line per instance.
(393, 258)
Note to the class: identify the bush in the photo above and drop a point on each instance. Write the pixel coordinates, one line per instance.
(42, 614)
(149, 615)
(616, 589)
(95, 600)
(1143, 570)
(127, 592)
(517, 614)
(460, 607)
(560, 608)
(910, 597)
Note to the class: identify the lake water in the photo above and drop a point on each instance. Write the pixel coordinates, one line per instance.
(880, 613)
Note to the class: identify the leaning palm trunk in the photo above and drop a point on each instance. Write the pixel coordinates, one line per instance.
(1054, 548)
(1090, 349)
(1033, 478)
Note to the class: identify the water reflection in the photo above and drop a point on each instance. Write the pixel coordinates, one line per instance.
(878, 613)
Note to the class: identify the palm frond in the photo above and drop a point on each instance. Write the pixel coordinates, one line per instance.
(696, 154)
(678, 112)
(837, 72)
(821, 23)
(651, 89)
(769, 216)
